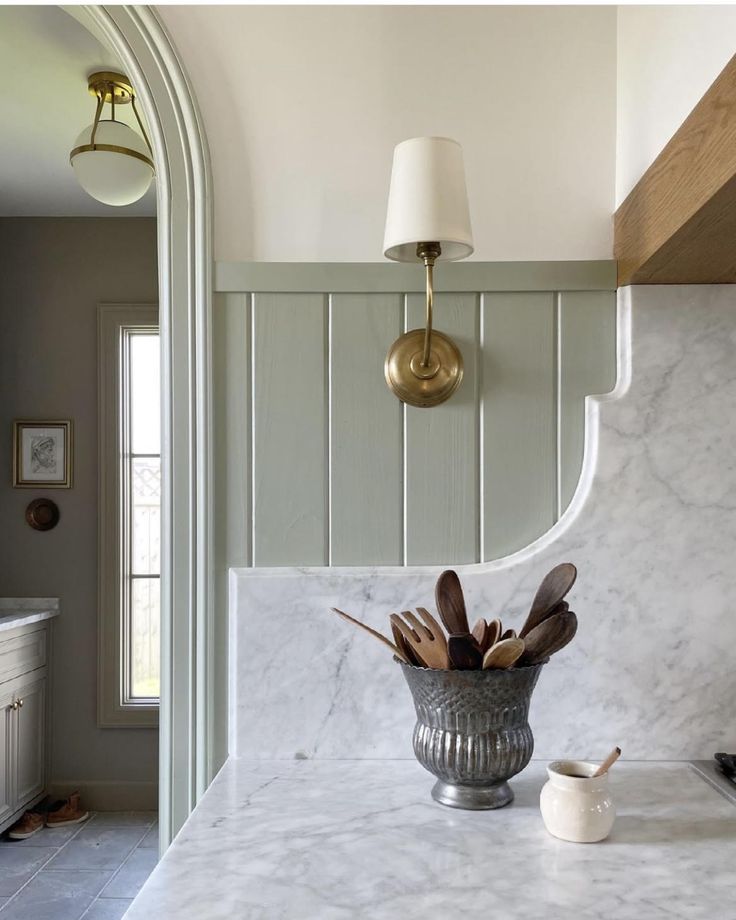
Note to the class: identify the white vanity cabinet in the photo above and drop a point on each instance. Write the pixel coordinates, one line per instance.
(24, 674)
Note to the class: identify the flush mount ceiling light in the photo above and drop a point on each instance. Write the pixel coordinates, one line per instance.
(111, 161)
(428, 221)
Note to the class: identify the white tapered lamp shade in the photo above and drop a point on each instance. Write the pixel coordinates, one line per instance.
(428, 201)
(427, 221)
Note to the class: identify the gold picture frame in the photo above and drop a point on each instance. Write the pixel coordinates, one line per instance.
(43, 452)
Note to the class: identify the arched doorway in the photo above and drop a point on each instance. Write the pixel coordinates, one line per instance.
(138, 38)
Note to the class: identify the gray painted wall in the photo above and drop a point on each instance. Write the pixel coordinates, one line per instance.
(53, 273)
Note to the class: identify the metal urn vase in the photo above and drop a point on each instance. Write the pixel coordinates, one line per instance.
(472, 731)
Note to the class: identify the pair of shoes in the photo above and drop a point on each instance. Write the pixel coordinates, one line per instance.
(29, 824)
(68, 812)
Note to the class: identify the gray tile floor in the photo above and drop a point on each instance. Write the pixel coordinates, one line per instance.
(91, 870)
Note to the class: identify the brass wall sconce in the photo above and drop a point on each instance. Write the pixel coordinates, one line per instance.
(427, 221)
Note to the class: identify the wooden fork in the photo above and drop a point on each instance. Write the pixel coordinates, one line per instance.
(423, 641)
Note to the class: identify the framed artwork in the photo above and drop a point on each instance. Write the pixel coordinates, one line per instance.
(42, 454)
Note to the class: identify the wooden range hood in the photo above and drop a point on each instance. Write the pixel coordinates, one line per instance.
(678, 224)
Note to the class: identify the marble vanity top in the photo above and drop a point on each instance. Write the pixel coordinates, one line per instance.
(21, 611)
(341, 840)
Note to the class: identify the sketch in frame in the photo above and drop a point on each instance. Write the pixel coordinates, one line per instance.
(42, 454)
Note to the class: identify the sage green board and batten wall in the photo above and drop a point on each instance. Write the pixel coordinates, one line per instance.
(318, 463)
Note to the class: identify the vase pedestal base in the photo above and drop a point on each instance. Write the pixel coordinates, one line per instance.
(475, 798)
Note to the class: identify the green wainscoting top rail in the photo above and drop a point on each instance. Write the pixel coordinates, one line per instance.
(387, 278)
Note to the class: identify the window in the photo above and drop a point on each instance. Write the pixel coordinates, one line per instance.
(130, 515)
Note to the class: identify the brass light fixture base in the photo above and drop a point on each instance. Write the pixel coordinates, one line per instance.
(115, 87)
(416, 384)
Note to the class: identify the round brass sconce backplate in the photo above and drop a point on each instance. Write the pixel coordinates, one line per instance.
(423, 386)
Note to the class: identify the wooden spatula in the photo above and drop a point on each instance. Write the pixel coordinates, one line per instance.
(551, 591)
(504, 654)
(451, 604)
(549, 637)
(373, 632)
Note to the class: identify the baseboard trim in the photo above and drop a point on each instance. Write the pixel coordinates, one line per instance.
(109, 795)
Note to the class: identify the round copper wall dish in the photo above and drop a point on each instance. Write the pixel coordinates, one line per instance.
(42, 514)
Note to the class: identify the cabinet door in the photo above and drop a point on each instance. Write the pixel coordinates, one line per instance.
(30, 739)
(7, 728)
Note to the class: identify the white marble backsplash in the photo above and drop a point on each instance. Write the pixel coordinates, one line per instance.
(652, 530)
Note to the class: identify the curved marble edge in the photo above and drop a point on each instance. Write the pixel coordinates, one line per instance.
(593, 405)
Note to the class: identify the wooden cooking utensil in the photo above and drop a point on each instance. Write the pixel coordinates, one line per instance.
(504, 654)
(480, 633)
(509, 634)
(464, 654)
(403, 646)
(608, 762)
(432, 625)
(495, 629)
(551, 591)
(431, 651)
(373, 632)
(549, 637)
(451, 604)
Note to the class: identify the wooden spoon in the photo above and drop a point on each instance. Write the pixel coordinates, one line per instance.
(549, 637)
(464, 653)
(480, 633)
(377, 635)
(430, 650)
(551, 591)
(509, 634)
(495, 629)
(451, 604)
(504, 654)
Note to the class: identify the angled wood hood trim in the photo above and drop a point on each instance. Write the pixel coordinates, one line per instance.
(678, 224)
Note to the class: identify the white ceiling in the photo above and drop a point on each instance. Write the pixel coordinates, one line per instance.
(45, 58)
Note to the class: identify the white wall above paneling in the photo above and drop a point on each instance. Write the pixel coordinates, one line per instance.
(304, 104)
(668, 56)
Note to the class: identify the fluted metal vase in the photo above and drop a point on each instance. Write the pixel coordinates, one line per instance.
(472, 731)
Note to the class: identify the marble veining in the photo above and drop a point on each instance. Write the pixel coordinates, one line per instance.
(651, 528)
(337, 841)
(22, 611)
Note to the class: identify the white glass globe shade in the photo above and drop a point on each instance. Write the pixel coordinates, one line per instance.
(109, 176)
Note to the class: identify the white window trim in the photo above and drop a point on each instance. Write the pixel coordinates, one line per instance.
(111, 711)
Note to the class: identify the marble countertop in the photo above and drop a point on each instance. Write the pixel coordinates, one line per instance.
(340, 840)
(21, 611)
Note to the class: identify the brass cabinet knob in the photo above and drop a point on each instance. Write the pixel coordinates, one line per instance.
(20, 703)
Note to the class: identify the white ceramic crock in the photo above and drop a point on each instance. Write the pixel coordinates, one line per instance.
(577, 808)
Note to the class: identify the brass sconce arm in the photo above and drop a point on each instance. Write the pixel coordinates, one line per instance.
(429, 253)
(424, 367)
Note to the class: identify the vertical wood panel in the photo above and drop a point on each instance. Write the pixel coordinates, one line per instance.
(519, 420)
(289, 453)
(442, 500)
(231, 350)
(587, 366)
(366, 432)
(231, 487)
